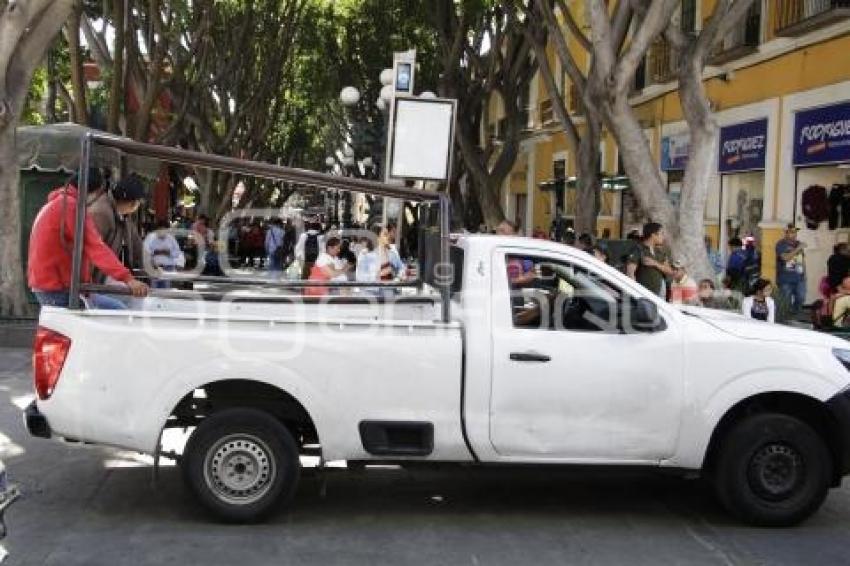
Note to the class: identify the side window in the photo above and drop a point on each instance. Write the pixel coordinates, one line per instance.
(550, 295)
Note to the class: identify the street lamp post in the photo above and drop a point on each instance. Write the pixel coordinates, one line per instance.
(349, 97)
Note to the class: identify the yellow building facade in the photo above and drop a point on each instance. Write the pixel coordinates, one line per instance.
(780, 88)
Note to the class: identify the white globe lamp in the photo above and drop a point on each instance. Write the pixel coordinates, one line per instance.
(349, 96)
(387, 93)
(387, 77)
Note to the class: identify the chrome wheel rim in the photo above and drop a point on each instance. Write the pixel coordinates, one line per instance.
(239, 469)
(776, 472)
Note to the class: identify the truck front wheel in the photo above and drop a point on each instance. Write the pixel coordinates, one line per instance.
(772, 470)
(240, 464)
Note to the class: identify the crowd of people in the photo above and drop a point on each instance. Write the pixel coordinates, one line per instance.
(116, 248)
(735, 285)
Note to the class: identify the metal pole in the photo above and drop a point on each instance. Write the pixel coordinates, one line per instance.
(445, 260)
(79, 224)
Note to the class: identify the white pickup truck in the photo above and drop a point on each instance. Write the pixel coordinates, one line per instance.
(510, 351)
(579, 366)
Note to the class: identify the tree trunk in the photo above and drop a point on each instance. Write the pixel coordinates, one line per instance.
(78, 79)
(52, 78)
(588, 186)
(13, 299)
(27, 32)
(491, 207)
(483, 186)
(639, 162)
(690, 238)
(116, 89)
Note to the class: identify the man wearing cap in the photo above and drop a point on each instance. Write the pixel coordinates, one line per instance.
(50, 251)
(113, 215)
(683, 289)
(790, 268)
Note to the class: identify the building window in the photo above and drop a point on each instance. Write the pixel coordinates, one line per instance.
(689, 16)
(640, 76)
(520, 210)
(559, 174)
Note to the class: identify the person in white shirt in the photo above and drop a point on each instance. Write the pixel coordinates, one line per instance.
(368, 263)
(760, 305)
(310, 244)
(163, 253)
(683, 289)
(335, 268)
(312, 230)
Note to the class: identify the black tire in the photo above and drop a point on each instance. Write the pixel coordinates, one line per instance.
(241, 464)
(772, 470)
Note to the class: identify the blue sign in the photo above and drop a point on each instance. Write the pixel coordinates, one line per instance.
(674, 152)
(822, 135)
(743, 147)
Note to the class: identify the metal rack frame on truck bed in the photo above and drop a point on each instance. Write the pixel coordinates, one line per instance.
(307, 180)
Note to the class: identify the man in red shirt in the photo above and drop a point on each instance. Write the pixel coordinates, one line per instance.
(51, 245)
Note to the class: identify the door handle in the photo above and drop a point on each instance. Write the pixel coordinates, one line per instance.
(529, 357)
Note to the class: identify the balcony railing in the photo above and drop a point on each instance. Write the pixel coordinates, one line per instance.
(574, 101)
(661, 63)
(547, 114)
(742, 40)
(796, 17)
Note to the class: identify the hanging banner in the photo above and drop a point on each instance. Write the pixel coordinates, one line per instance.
(674, 152)
(822, 135)
(743, 147)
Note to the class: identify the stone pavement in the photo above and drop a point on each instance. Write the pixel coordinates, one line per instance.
(91, 506)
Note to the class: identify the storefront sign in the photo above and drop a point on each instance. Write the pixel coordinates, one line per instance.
(674, 152)
(743, 146)
(822, 135)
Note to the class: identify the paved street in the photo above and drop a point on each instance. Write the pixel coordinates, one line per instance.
(92, 506)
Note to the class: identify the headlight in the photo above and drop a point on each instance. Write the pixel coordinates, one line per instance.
(843, 356)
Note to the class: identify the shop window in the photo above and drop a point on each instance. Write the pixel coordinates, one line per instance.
(743, 204)
(674, 186)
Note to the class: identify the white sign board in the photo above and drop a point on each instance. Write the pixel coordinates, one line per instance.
(422, 138)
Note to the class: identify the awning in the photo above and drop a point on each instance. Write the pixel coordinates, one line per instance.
(56, 148)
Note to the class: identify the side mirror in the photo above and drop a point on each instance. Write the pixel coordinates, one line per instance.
(645, 315)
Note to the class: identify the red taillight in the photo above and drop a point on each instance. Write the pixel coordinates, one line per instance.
(48, 357)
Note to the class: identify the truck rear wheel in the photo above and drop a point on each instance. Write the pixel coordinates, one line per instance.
(772, 470)
(241, 463)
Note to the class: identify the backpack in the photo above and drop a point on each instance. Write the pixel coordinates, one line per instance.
(311, 248)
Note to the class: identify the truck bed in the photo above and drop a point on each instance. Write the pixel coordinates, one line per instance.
(345, 361)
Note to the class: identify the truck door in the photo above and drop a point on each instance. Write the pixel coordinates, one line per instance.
(572, 379)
